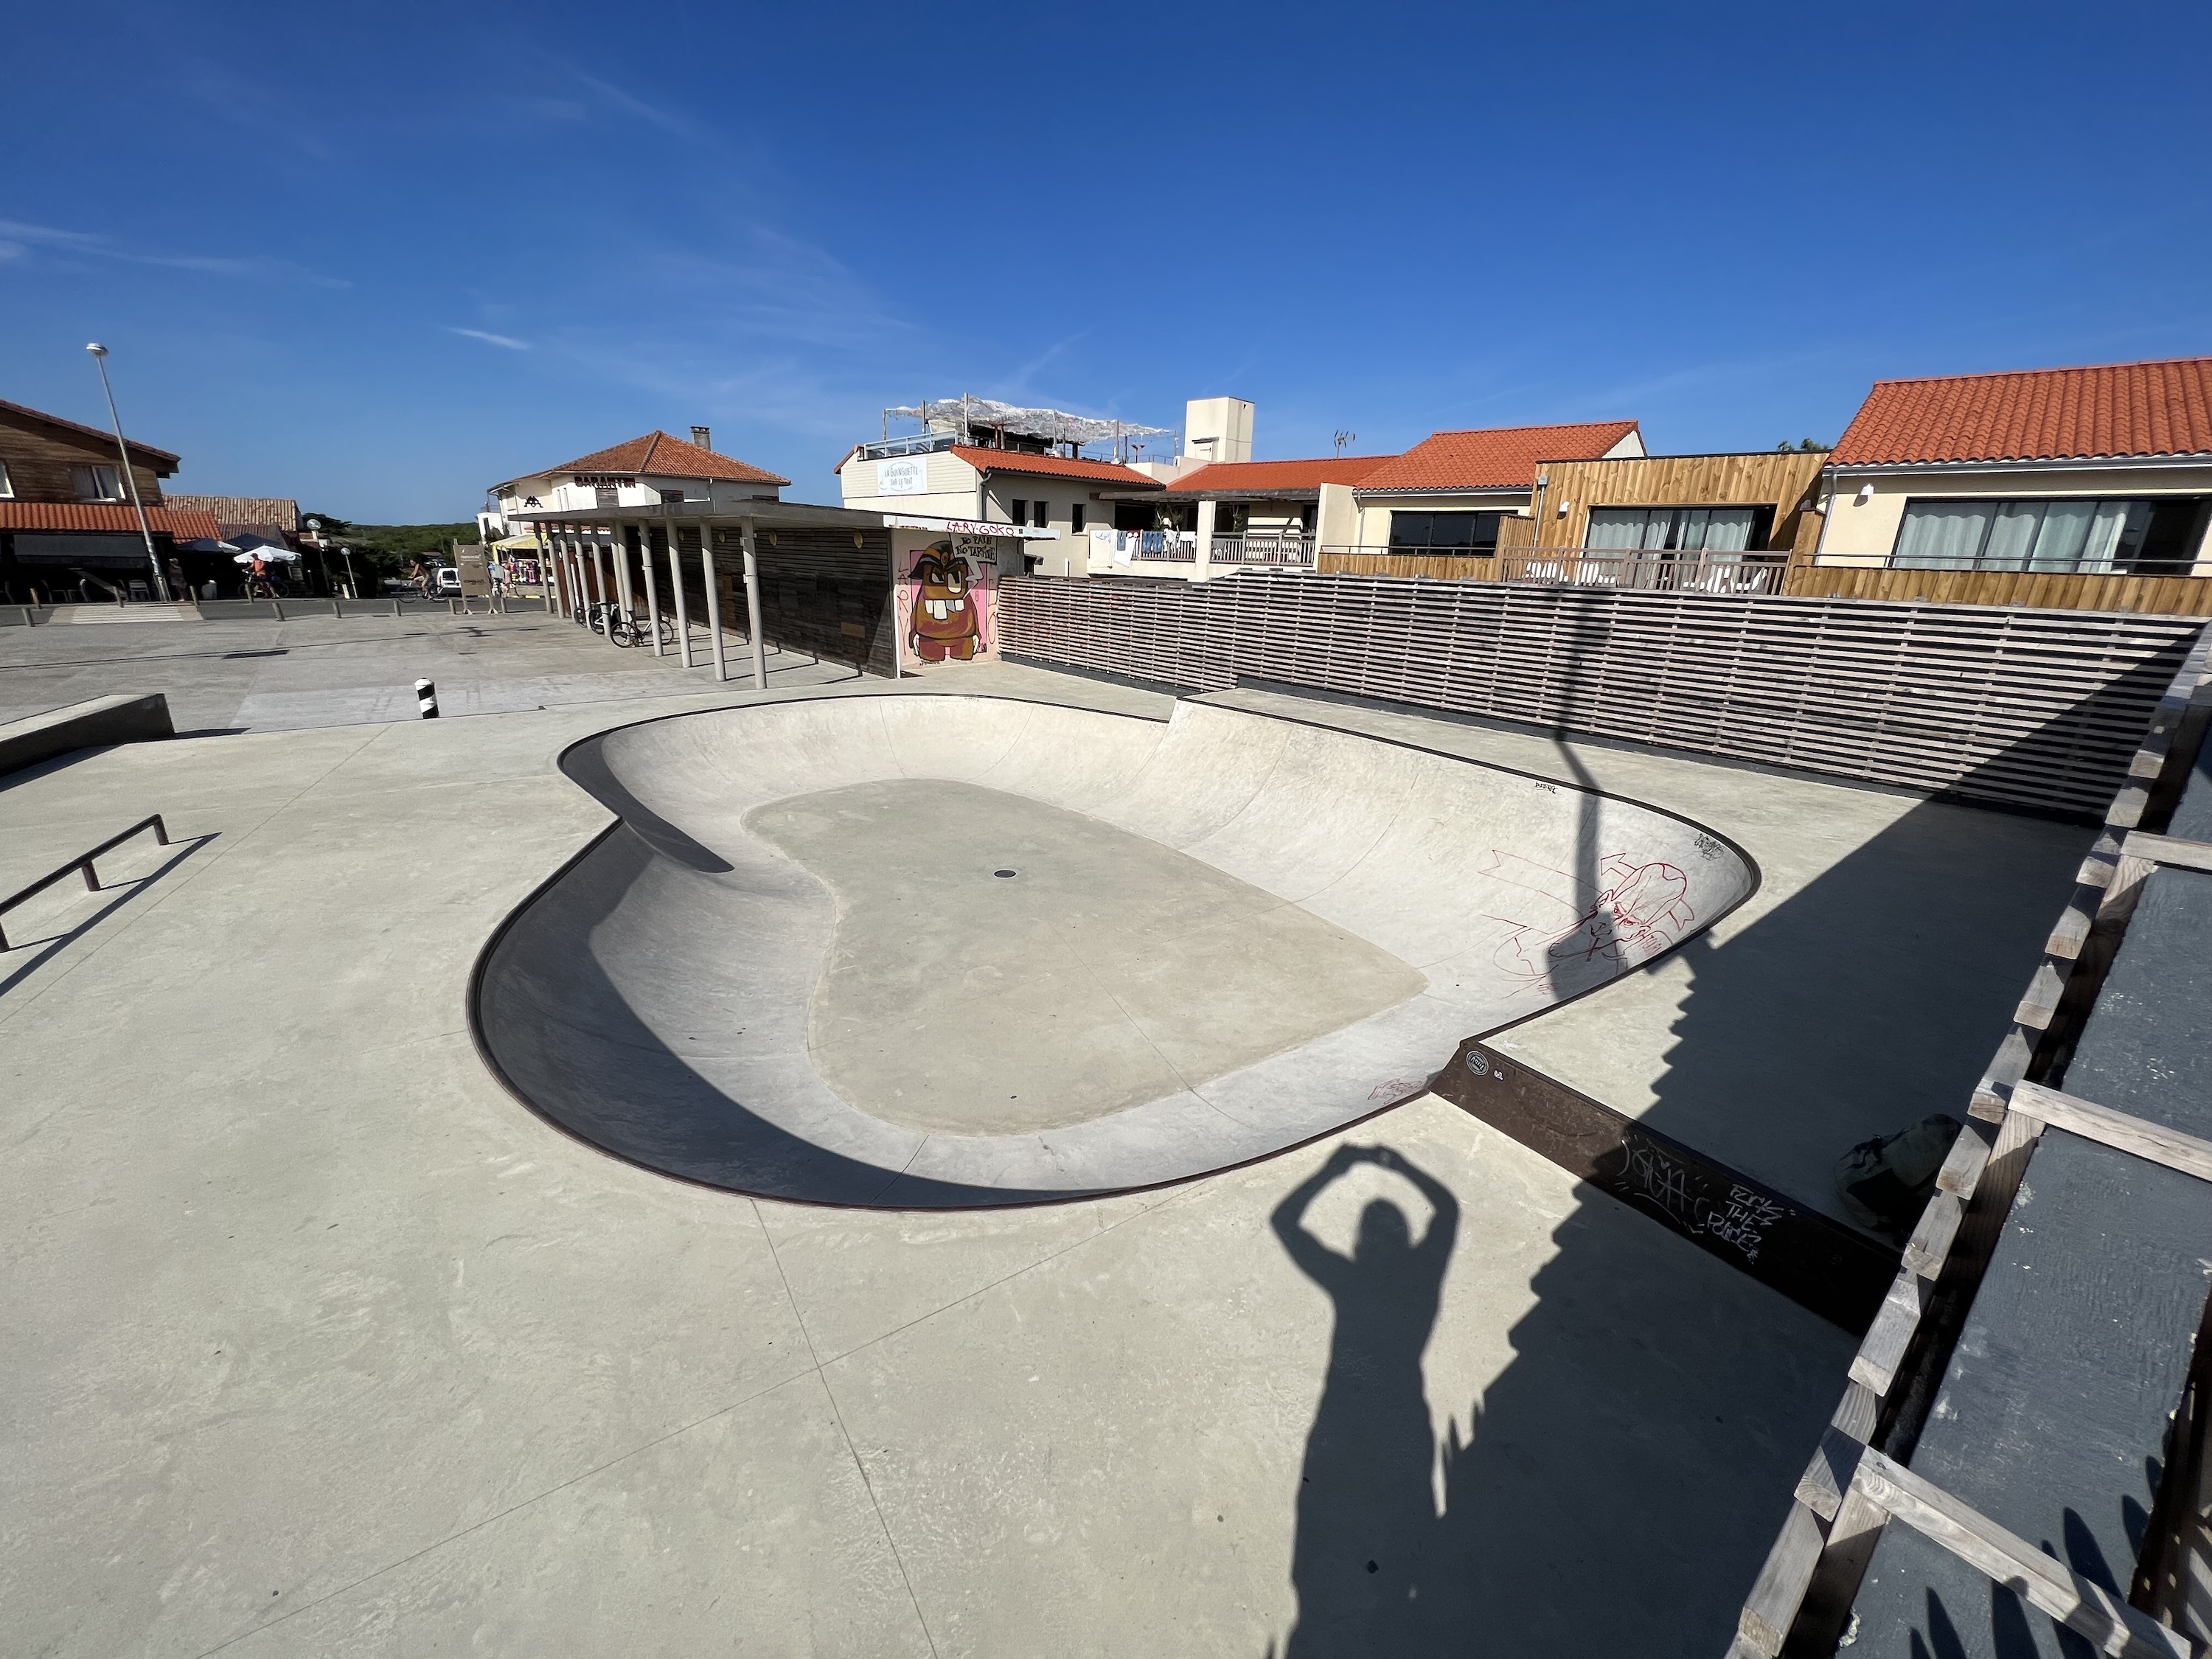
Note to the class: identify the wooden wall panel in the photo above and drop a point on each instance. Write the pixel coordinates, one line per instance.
(2172, 596)
(821, 594)
(38, 458)
(1779, 478)
(2031, 707)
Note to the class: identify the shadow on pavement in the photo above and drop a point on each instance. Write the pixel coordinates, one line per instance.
(1616, 1485)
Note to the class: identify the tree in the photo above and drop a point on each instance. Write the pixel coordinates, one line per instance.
(1804, 446)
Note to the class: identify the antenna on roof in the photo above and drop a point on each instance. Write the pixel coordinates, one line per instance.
(1344, 439)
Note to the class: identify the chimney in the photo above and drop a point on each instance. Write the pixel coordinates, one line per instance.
(703, 437)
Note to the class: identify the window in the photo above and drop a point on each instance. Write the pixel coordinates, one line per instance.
(1679, 529)
(96, 484)
(1232, 518)
(2160, 535)
(1040, 514)
(1471, 533)
(1075, 518)
(1020, 514)
(671, 496)
(6, 489)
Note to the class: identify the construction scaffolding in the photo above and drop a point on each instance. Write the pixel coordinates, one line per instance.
(973, 420)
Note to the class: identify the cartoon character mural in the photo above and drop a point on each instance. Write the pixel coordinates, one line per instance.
(945, 605)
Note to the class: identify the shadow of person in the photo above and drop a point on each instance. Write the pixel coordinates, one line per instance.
(1370, 1576)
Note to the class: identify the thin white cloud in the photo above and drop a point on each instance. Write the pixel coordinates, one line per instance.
(511, 343)
(51, 239)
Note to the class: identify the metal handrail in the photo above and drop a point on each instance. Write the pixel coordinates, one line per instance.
(1686, 571)
(82, 863)
(1262, 550)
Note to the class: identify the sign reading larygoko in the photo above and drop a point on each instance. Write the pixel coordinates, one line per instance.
(905, 474)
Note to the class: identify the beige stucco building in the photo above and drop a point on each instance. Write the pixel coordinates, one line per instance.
(1452, 492)
(2092, 471)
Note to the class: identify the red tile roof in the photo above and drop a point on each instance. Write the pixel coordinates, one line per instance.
(2112, 411)
(668, 456)
(1053, 466)
(1227, 477)
(105, 437)
(1494, 458)
(183, 523)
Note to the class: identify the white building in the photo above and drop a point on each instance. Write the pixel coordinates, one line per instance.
(653, 470)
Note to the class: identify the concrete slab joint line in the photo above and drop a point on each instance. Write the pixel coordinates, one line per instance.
(788, 969)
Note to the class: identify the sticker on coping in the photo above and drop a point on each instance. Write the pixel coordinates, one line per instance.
(1477, 1062)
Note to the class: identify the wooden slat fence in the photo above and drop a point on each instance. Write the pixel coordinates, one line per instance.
(2031, 707)
(2188, 596)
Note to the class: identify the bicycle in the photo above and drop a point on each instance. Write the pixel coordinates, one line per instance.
(627, 628)
(601, 617)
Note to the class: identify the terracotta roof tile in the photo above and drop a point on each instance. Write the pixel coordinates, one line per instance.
(1052, 466)
(181, 522)
(1494, 458)
(1227, 477)
(279, 510)
(2109, 411)
(668, 456)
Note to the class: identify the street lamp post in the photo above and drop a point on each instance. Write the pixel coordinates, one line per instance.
(123, 452)
(322, 552)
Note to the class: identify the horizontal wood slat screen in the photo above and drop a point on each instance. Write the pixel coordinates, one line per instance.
(2031, 707)
(2183, 595)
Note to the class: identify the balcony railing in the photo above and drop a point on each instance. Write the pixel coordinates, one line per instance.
(1687, 572)
(1678, 573)
(1263, 549)
(1181, 546)
(1177, 544)
(926, 443)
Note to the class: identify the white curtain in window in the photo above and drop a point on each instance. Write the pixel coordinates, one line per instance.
(2065, 532)
(2107, 523)
(2012, 535)
(1728, 529)
(1615, 527)
(1658, 529)
(1941, 535)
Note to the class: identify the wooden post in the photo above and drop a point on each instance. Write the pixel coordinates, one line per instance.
(713, 597)
(652, 584)
(683, 606)
(752, 612)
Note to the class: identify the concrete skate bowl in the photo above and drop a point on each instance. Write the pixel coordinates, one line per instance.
(937, 952)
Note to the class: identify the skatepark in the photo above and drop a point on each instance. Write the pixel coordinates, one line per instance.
(633, 1175)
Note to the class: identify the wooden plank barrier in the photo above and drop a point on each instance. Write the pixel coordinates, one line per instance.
(2174, 595)
(2026, 707)
(1815, 1260)
(1803, 1595)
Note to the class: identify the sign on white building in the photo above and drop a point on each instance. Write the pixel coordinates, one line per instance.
(908, 474)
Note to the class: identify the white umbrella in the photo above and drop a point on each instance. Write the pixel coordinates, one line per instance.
(252, 553)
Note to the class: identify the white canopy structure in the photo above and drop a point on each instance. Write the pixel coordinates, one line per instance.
(969, 415)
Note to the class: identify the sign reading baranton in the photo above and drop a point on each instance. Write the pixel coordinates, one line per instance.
(903, 475)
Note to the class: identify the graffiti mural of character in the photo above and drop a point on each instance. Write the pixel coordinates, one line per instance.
(945, 621)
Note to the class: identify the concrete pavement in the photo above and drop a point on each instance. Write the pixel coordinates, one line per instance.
(319, 1343)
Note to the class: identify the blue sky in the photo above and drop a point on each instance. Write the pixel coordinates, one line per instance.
(377, 258)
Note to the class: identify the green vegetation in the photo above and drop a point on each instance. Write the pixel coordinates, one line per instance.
(1806, 445)
(388, 550)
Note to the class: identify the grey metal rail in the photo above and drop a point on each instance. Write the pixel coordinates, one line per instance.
(83, 864)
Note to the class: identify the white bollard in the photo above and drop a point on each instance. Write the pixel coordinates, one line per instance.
(426, 699)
